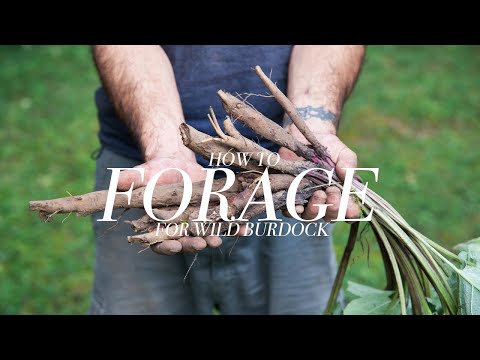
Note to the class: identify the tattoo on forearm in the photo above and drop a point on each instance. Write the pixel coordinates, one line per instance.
(319, 112)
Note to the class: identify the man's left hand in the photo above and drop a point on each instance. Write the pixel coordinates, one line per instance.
(341, 155)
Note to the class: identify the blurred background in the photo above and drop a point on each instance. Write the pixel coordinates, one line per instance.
(415, 114)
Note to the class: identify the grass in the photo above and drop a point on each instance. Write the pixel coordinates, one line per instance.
(415, 114)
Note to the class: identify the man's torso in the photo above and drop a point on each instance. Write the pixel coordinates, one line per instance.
(200, 71)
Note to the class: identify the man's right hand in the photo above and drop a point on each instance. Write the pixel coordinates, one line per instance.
(196, 173)
(141, 84)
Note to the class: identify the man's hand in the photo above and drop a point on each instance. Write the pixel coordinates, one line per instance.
(320, 79)
(196, 173)
(341, 155)
(141, 84)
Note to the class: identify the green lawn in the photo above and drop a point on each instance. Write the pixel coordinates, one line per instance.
(415, 114)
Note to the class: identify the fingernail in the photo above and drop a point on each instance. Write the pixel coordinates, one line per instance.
(174, 251)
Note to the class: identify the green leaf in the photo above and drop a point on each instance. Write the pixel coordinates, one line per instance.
(368, 305)
(363, 290)
(337, 309)
(472, 245)
(434, 301)
(469, 251)
(395, 309)
(469, 291)
(370, 301)
(468, 281)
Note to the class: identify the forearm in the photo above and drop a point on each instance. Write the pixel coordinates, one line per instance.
(140, 82)
(321, 77)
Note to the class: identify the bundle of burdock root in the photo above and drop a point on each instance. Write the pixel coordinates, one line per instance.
(422, 277)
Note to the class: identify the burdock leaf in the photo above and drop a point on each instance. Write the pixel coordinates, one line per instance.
(368, 305)
(371, 301)
(469, 278)
(468, 246)
(434, 301)
(363, 290)
(469, 291)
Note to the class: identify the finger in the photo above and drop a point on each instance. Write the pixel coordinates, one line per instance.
(319, 197)
(346, 159)
(243, 230)
(333, 198)
(127, 177)
(298, 208)
(353, 210)
(192, 243)
(213, 241)
(168, 247)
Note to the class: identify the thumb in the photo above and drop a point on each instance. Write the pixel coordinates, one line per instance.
(346, 159)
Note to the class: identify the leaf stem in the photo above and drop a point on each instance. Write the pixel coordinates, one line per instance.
(337, 285)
